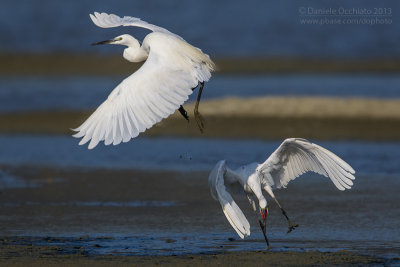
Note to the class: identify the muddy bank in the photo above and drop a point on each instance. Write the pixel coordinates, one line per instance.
(263, 118)
(16, 255)
(94, 64)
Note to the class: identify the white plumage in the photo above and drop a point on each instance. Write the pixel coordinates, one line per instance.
(163, 83)
(293, 157)
(104, 20)
(218, 182)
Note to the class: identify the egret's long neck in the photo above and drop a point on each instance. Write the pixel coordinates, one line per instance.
(134, 52)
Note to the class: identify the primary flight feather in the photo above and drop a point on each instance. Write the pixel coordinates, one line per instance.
(173, 69)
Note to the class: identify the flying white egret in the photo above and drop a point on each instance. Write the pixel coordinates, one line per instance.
(293, 157)
(173, 69)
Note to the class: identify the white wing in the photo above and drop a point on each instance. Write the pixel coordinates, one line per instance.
(296, 156)
(150, 94)
(235, 216)
(104, 20)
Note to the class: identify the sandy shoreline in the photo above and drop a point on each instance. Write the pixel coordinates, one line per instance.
(263, 118)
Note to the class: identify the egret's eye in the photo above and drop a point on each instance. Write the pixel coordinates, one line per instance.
(118, 39)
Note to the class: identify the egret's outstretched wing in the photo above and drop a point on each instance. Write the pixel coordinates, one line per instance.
(296, 156)
(150, 94)
(235, 216)
(104, 20)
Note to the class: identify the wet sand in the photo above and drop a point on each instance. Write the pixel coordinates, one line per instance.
(263, 118)
(102, 217)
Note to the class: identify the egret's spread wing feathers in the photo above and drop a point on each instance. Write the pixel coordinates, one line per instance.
(104, 20)
(231, 210)
(296, 156)
(152, 93)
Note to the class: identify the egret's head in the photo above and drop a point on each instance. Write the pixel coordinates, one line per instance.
(262, 202)
(263, 211)
(124, 39)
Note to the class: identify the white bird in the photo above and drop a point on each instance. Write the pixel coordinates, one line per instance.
(293, 157)
(173, 69)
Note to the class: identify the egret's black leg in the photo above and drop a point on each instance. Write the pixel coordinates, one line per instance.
(292, 225)
(264, 230)
(197, 116)
(184, 113)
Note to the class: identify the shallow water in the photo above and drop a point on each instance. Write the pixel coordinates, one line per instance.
(181, 154)
(85, 92)
(198, 243)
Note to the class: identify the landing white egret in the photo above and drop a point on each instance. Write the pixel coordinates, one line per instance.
(173, 69)
(293, 157)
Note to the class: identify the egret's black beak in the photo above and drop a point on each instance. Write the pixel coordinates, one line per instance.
(104, 42)
(263, 223)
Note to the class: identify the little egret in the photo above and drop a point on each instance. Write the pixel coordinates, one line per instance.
(293, 157)
(173, 69)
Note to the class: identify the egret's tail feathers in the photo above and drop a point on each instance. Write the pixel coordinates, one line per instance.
(201, 63)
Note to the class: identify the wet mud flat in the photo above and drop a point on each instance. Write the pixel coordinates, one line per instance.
(94, 64)
(15, 255)
(103, 216)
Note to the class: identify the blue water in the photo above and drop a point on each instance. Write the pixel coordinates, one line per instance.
(150, 243)
(250, 28)
(181, 154)
(85, 92)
